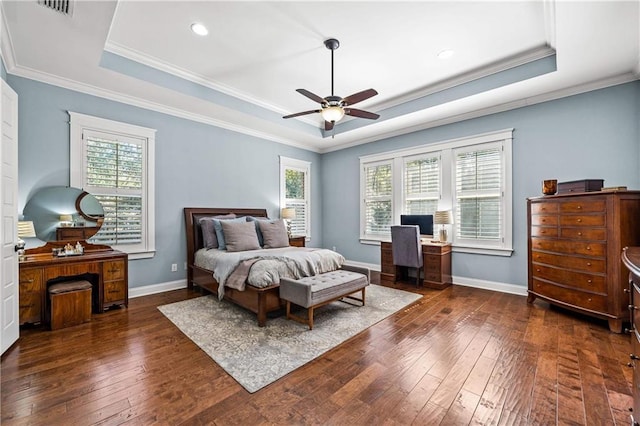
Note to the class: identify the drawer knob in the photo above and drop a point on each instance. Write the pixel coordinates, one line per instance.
(589, 281)
(626, 290)
(580, 234)
(634, 357)
(579, 207)
(588, 247)
(589, 299)
(579, 220)
(633, 308)
(588, 263)
(26, 281)
(537, 269)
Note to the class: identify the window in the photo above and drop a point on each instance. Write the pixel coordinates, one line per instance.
(470, 176)
(378, 202)
(295, 184)
(114, 162)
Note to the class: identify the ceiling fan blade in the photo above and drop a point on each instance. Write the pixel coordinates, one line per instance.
(328, 125)
(311, 96)
(361, 114)
(359, 97)
(301, 113)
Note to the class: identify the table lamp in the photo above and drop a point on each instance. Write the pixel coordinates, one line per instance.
(443, 217)
(66, 220)
(25, 230)
(288, 213)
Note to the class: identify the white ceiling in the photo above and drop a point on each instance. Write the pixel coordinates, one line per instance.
(257, 53)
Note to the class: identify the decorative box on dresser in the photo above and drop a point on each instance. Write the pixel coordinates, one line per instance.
(631, 259)
(574, 249)
(105, 268)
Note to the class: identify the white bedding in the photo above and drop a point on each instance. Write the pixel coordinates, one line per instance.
(270, 266)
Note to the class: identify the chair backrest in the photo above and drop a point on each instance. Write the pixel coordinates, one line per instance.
(407, 250)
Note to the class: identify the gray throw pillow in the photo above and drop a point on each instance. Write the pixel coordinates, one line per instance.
(217, 224)
(274, 233)
(239, 236)
(256, 220)
(209, 238)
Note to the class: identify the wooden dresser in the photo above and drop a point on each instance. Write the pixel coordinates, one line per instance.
(436, 258)
(631, 259)
(105, 268)
(574, 247)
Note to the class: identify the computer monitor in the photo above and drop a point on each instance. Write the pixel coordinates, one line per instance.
(424, 221)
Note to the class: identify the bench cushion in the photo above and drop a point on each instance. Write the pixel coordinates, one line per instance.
(310, 291)
(68, 286)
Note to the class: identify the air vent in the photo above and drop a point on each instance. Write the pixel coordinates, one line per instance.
(61, 6)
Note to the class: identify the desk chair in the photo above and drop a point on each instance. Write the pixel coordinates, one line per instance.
(406, 248)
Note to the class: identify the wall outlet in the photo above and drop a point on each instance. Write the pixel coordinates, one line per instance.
(174, 267)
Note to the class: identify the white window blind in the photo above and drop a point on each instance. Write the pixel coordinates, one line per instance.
(114, 175)
(378, 198)
(295, 192)
(421, 184)
(478, 175)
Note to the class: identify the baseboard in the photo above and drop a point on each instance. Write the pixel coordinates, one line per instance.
(490, 285)
(156, 288)
(464, 281)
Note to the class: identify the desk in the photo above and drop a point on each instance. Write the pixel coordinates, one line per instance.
(105, 268)
(436, 258)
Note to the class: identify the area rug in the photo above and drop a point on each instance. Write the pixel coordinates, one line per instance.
(257, 356)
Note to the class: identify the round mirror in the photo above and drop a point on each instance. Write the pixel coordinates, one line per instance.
(64, 213)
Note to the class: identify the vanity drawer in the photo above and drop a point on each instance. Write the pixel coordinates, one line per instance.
(114, 291)
(30, 296)
(113, 270)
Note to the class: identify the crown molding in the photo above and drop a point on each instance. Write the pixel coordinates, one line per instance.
(145, 104)
(6, 45)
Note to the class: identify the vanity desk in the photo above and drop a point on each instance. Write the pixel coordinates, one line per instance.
(106, 269)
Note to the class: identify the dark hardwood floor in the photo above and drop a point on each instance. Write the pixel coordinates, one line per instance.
(458, 356)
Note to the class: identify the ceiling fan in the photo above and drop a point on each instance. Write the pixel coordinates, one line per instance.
(333, 108)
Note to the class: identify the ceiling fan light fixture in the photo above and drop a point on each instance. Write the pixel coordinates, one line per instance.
(332, 113)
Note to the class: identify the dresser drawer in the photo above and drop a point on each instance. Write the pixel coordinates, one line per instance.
(576, 280)
(635, 313)
(113, 270)
(432, 276)
(543, 219)
(582, 220)
(576, 263)
(544, 231)
(583, 206)
(538, 208)
(114, 291)
(580, 299)
(569, 247)
(591, 234)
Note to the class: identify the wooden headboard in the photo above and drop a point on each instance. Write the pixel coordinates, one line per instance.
(192, 216)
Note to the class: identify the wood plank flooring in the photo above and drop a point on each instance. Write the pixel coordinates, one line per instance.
(458, 356)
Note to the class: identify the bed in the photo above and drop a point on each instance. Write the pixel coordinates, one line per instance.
(260, 300)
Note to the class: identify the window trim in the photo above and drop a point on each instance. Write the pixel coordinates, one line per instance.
(447, 199)
(81, 122)
(305, 167)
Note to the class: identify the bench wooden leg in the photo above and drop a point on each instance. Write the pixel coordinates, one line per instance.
(310, 317)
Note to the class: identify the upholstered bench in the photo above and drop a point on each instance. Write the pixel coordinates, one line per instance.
(70, 303)
(318, 290)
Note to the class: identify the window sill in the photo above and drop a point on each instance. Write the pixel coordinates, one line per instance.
(490, 251)
(139, 255)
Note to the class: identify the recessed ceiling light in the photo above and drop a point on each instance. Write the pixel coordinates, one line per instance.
(199, 29)
(446, 54)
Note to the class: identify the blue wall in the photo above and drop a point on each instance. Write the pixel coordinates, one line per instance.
(592, 135)
(197, 165)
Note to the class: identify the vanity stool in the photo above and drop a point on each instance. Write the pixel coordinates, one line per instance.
(70, 303)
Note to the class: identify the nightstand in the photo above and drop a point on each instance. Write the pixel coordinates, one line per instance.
(297, 240)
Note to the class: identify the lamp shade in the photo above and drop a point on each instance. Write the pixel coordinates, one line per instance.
(288, 213)
(66, 218)
(332, 113)
(26, 229)
(443, 217)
